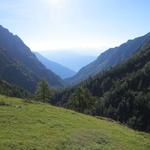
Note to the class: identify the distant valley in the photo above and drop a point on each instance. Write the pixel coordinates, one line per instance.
(116, 85)
(74, 75)
(59, 69)
(73, 60)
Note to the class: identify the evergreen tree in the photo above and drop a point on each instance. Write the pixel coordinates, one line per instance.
(43, 92)
(82, 100)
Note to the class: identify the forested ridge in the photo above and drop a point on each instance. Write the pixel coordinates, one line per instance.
(122, 93)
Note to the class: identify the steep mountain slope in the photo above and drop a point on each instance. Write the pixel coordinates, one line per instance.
(59, 69)
(37, 126)
(109, 58)
(122, 93)
(19, 66)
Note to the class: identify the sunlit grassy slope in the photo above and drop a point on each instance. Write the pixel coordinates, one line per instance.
(35, 126)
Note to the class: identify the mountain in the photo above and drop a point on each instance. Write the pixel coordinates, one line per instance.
(37, 126)
(122, 93)
(19, 66)
(69, 58)
(109, 58)
(58, 69)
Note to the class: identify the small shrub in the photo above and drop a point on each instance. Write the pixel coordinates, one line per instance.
(2, 103)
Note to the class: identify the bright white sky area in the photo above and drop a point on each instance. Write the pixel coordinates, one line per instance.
(75, 25)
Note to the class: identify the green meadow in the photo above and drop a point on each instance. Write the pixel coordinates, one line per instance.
(37, 126)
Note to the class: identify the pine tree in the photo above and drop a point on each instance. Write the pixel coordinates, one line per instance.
(43, 92)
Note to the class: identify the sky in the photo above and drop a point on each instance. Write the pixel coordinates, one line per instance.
(46, 25)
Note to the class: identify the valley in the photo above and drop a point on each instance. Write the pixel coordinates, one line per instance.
(74, 75)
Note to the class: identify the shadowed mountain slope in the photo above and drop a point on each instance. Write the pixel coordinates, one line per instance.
(19, 66)
(109, 58)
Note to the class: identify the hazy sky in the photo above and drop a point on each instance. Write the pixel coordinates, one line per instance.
(64, 24)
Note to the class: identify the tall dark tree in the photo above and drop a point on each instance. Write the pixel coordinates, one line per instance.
(82, 100)
(43, 92)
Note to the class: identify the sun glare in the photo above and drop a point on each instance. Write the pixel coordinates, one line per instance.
(54, 3)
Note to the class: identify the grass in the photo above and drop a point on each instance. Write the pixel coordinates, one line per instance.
(37, 126)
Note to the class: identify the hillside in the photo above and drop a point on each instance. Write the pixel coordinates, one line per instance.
(37, 126)
(109, 58)
(8, 89)
(19, 66)
(58, 69)
(122, 93)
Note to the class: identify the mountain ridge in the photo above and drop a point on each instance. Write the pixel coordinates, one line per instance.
(57, 68)
(19, 66)
(109, 58)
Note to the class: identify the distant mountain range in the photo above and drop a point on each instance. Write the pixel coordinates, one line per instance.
(108, 59)
(69, 58)
(19, 66)
(59, 69)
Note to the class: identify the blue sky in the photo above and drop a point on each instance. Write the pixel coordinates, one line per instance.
(73, 24)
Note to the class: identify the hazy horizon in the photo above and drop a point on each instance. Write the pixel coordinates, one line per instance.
(76, 51)
(70, 59)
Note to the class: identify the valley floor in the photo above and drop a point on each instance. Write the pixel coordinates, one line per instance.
(37, 126)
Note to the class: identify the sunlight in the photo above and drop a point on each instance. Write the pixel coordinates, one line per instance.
(54, 3)
(55, 9)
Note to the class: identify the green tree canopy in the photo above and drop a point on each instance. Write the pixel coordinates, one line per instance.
(43, 92)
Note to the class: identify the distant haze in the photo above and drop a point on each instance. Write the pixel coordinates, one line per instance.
(71, 59)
